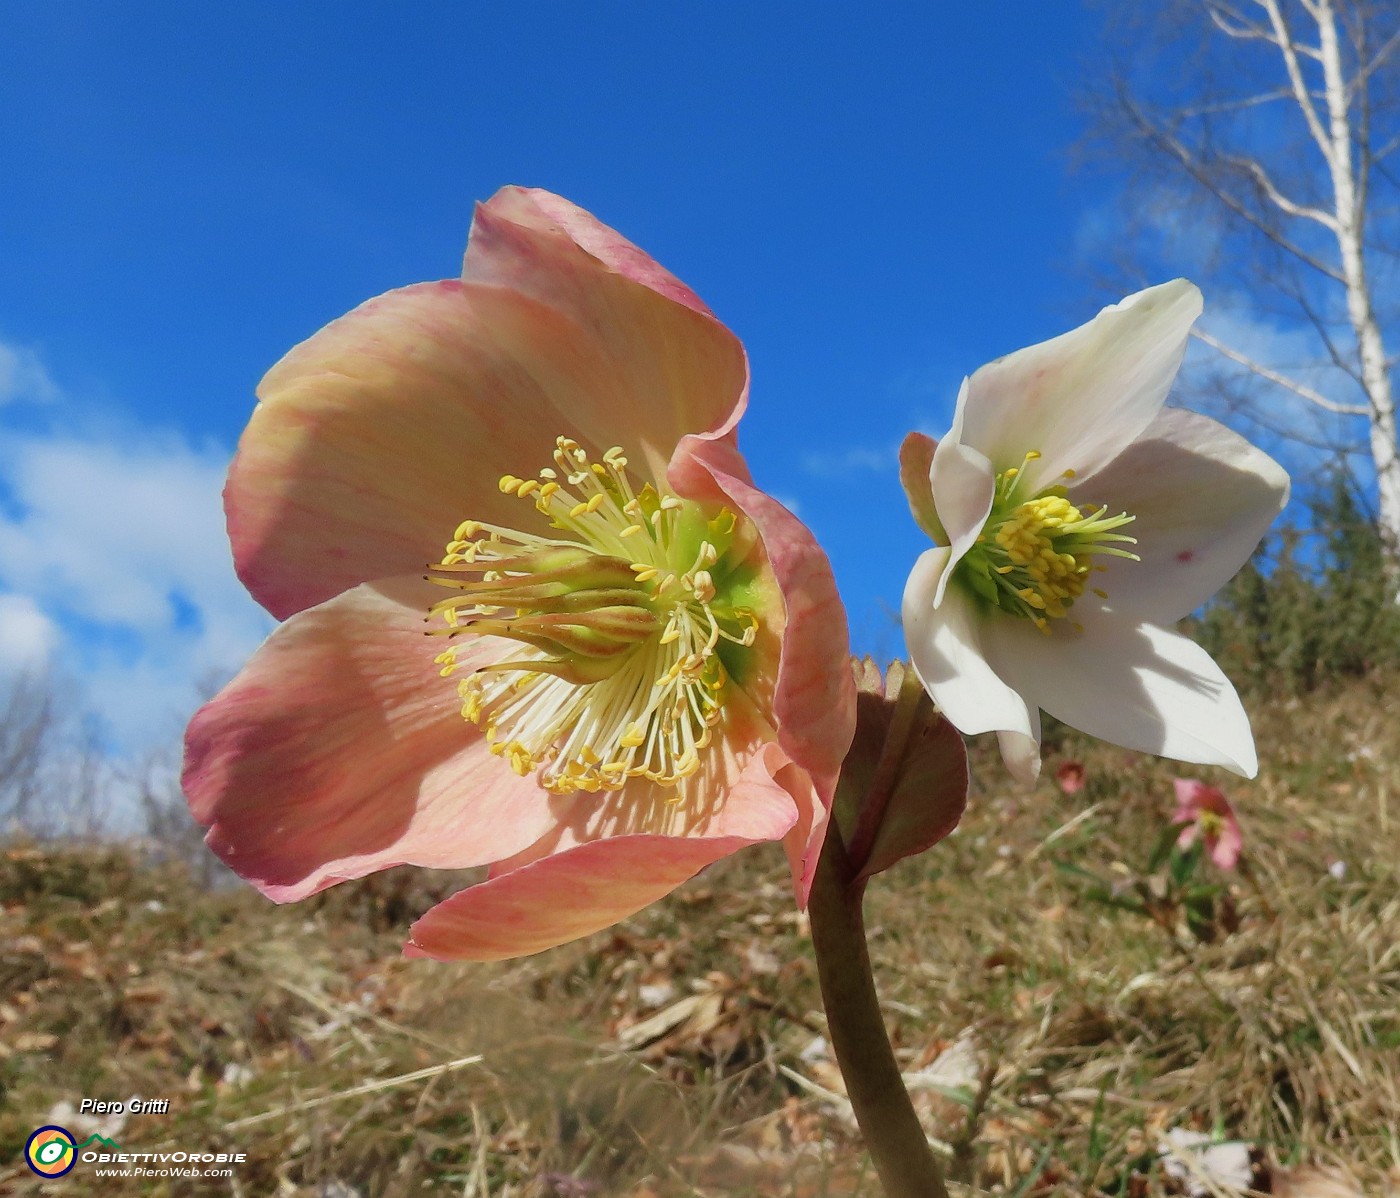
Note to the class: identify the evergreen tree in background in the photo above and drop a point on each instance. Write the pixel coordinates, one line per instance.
(1301, 614)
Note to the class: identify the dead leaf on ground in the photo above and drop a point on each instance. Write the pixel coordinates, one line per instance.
(1314, 1181)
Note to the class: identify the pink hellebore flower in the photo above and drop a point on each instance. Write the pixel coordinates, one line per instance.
(1063, 464)
(1070, 777)
(1210, 815)
(649, 655)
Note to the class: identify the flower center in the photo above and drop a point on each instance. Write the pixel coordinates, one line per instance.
(1212, 825)
(624, 619)
(1035, 554)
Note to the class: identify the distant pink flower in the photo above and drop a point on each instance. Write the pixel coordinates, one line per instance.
(1210, 816)
(1070, 777)
(649, 657)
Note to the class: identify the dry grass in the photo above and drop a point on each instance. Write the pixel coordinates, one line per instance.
(1053, 1040)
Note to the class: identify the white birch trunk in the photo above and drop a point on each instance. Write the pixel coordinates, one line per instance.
(1350, 230)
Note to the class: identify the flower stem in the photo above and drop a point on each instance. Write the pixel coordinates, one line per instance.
(887, 1120)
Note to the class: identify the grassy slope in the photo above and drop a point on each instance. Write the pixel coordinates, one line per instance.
(1083, 1032)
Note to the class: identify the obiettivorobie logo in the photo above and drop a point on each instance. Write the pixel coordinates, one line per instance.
(51, 1151)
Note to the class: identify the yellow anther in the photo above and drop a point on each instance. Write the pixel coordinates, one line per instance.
(1100, 592)
(535, 710)
(521, 760)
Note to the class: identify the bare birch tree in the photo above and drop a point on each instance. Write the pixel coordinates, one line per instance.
(54, 779)
(27, 730)
(1281, 118)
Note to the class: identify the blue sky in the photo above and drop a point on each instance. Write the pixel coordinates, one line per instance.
(876, 202)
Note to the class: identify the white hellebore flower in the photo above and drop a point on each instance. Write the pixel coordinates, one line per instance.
(1076, 519)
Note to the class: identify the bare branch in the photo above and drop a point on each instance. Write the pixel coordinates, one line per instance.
(1227, 10)
(1175, 148)
(1377, 60)
(1289, 50)
(1359, 90)
(1389, 148)
(1279, 200)
(1282, 380)
(1243, 31)
(1280, 93)
(1324, 334)
(1254, 416)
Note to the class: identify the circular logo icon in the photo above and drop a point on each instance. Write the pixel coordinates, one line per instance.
(50, 1152)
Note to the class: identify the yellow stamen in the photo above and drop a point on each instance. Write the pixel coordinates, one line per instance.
(1034, 555)
(618, 675)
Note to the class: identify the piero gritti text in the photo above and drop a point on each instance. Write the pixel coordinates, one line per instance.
(131, 1106)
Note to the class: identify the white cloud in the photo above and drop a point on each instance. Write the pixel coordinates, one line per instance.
(27, 635)
(855, 460)
(868, 459)
(115, 543)
(23, 377)
(1290, 349)
(1176, 232)
(791, 503)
